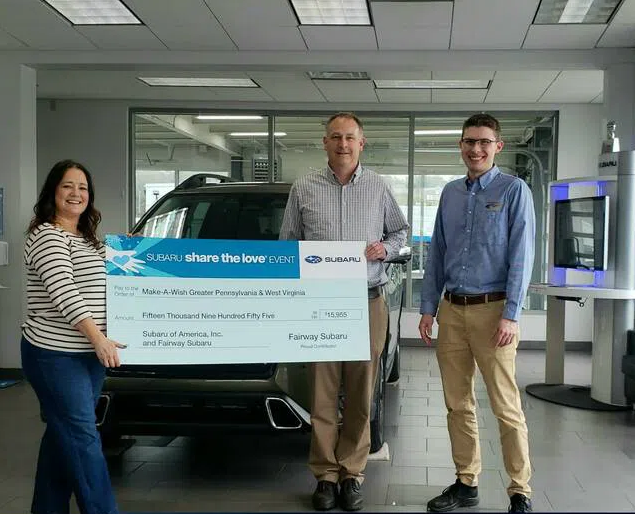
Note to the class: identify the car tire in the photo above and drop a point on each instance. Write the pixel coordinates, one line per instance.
(378, 408)
(395, 372)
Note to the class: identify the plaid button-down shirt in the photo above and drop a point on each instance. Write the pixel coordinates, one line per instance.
(322, 209)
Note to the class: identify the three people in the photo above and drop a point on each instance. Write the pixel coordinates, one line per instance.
(64, 347)
(346, 202)
(480, 260)
(477, 274)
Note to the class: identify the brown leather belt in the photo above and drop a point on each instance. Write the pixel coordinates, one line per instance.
(474, 299)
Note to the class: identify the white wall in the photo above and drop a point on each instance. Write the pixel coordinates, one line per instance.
(94, 133)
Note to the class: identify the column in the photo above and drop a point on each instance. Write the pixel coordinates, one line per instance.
(619, 102)
(18, 178)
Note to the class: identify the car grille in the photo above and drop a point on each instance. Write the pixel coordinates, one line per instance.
(195, 371)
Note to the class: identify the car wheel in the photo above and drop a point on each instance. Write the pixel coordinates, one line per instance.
(377, 409)
(395, 372)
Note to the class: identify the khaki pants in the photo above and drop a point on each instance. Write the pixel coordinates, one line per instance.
(340, 453)
(465, 339)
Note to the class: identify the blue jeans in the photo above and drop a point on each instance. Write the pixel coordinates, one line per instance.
(71, 460)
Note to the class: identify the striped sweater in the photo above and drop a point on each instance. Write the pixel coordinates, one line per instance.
(66, 284)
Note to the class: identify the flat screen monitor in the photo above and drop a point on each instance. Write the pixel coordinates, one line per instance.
(581, 233)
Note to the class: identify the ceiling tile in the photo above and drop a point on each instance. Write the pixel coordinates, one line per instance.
(347, 90)
(411, 14)
(618, 35)
(519, 86)
(249, 37)
(626, 13)
(122, 37)
(39, 27)
(188, 25)
(8, 42)
(288, 87)
(450, 96)
(414, 38)
(404, 95)
(28, 12)
(402, 75)
(462, 75)
(598, 99)
(51, 37)
(110, 84)
(339, 38)
(563, 37)
(194, 37)
(412, 25)
(276, 13)
(242, 94)
(574, 86)
(491, 24)
(160, 12)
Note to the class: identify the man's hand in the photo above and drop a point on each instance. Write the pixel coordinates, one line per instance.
(376, 251)
(505, 332)
(425, 328)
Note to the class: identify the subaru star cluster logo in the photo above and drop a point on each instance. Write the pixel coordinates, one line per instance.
(313, 259)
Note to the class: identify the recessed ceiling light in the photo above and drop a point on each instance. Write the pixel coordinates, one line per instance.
(256, 134)
(431, 84)
(441, 132)
(331, 12)
(197, 82)
(575, 11)
(338, 75)
(94, 12)
(228, 117)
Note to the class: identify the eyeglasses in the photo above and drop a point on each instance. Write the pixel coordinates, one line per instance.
(470, 143)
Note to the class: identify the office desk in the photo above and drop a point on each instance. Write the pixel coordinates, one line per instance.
(613, 315)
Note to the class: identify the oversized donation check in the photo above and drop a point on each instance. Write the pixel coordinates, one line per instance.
(203, 301)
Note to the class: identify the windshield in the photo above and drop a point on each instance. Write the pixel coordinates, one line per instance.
(218, 216)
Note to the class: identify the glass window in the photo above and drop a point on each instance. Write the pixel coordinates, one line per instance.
(170, 148)
(219, 216)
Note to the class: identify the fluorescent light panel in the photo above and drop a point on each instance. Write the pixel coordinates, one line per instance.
(331, 12)
(575, 11)
(94, 12)
(256, 134)
(431, 84)
(228, 117)
(441, 132)
(197, 82)
(338, 75)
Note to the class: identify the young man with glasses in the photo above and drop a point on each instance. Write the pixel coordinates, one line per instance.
(480, 258)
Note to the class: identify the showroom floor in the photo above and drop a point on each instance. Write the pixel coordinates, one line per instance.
(582, 460)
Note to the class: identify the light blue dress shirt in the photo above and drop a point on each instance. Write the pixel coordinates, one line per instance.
(483, 241)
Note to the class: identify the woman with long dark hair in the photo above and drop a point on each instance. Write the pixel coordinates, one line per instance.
(64, 346)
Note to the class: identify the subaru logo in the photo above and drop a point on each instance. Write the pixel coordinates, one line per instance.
(313, 259)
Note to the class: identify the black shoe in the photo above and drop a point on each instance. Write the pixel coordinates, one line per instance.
(325, 495)
(350, 495)
(519, 503)
(457, 495)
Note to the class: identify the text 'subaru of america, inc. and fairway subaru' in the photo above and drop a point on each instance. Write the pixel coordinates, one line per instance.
(189, 399)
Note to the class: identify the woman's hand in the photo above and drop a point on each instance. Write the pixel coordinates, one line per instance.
(107, 352)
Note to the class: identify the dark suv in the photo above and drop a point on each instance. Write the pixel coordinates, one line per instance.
(187, 399)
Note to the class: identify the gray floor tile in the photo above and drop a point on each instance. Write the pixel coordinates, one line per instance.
(590, 502)
(579, 458)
